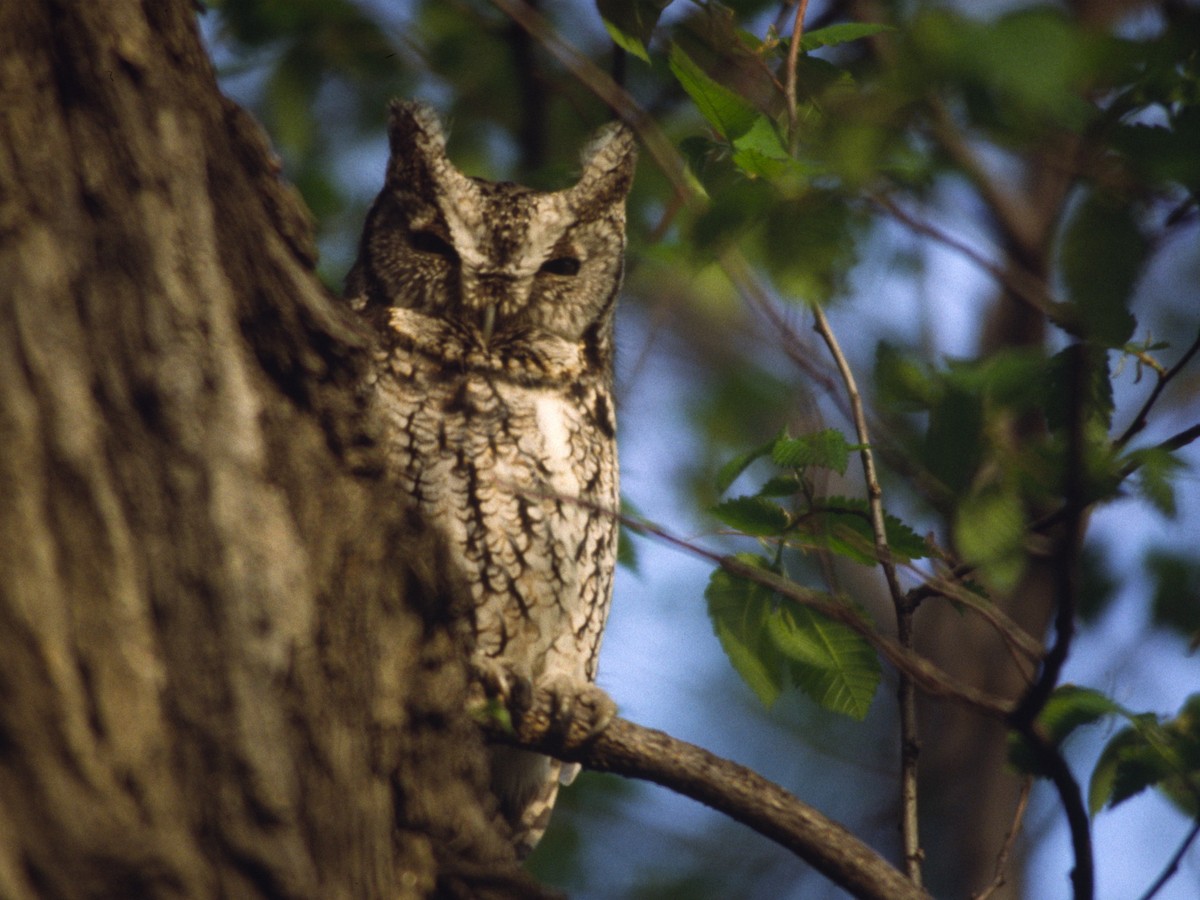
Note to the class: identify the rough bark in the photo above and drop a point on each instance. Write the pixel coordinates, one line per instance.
(217, 677)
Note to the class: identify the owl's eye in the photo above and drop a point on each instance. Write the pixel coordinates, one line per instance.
(429, 242)
(562, 265)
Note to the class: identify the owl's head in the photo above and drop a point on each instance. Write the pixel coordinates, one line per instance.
(495, 258)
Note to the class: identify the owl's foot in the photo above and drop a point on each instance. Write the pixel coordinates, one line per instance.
(555, 705)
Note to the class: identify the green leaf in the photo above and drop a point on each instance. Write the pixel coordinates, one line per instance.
(1151, 753)
(1156, 471)
(831, 663)
(1136, 758)
(760, 153)
(990, 532)
(1097, 397)
(841, 33)
(729, 472)
(808, 243)
(953, 447)
(1069, 707)
(902, 382)
(728, 113)
(1176, 602)
(826, 449)
(739, 610)
(781, 486)
(842, 525)
(630, 23)
(627, 42)
(1102, 256)
(753, 515)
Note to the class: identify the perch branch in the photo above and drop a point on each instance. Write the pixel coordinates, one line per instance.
(624, 748)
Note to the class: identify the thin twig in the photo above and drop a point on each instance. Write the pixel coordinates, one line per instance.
(1172, 866)
(1143, 415)
(638, 752)
(1024, 717)
(1010, 841)
(793, 59)
(1027, 289)
(910, 748)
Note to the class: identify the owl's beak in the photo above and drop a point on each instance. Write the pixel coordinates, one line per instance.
(489, 321)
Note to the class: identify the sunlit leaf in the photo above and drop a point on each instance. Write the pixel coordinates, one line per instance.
(831, 663)
(631, 22)
(728, 113)
(841, 33)
(990, 532)
(826, 449)
(842, 525)
(739, 609)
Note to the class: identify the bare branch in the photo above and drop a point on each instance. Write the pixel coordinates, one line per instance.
(1024, 717)
(624, 748)
(1010, 841)
(1164, 378)
(1019, 283)
(1172, 866)
(910, 747)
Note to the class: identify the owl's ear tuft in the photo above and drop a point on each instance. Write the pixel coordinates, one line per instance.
(608, 164)
(416, 140)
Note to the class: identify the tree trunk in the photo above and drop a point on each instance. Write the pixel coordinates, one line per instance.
(217, 677)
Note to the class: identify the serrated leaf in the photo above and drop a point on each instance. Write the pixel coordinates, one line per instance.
(781, 486)
(729, 472)
(753, 515)
(841, 33)
(831, 663)
(739, 610)
(1150, 753)
(727, 112)
(827, 449)
(842, 525)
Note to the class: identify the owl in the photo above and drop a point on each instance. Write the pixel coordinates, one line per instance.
(493, 304)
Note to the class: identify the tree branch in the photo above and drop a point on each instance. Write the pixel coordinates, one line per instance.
(1143, 415)
(634, 751)
(1173, 864)
(910, 746)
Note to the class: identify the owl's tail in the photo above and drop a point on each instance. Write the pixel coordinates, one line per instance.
(526, 784)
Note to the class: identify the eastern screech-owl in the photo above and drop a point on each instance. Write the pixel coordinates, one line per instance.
(494, 305)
